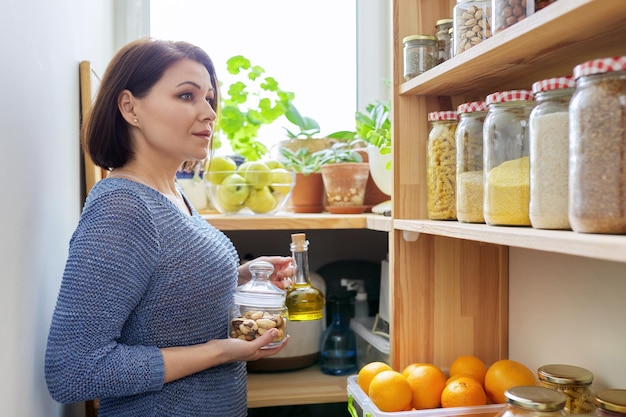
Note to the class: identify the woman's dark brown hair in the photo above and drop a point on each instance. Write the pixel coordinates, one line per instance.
(136, 67)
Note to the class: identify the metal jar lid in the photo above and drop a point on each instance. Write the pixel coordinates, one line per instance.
(535, 398)
(413, 38)
(613, 400)
(565, 375)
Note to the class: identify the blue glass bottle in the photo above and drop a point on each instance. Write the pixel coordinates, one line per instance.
(338, 343)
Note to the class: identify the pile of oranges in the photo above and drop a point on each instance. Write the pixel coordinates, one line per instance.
(423, 385)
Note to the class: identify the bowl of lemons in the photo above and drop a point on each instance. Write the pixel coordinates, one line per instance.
(254, 187)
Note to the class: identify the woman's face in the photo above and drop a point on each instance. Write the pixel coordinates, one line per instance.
(175, 120)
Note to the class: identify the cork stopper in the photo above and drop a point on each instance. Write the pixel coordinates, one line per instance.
(299, 242)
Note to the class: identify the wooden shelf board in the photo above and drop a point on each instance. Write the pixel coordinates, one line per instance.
(604, 247)
(537, 44)
(305, 386)
(298, 221)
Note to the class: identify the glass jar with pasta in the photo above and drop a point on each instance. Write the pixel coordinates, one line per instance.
(441, 166)
(573, 381)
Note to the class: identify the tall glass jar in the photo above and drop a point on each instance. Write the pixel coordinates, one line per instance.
(506, 13)
(573, 381)
(469, 162)
(443, 27)
(441, 166)
(597, 201)
(549, 153)
(507, 164)
(533, 401)
(611, 403)
(472, 23)
(420, 54)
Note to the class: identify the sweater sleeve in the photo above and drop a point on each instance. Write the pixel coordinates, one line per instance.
(112, 255)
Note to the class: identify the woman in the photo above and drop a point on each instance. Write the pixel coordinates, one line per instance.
(141, 318)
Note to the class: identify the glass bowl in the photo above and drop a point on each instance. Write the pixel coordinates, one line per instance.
(249, 191)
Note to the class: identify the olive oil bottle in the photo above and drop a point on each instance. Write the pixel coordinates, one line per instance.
(304, 301)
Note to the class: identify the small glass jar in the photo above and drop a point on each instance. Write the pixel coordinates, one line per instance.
(610, 403)
(573, 381)
(258, 307)
(506, 13)
(533, 401)
(472, 23)
(469, 162)
(443, 27)
(420, 54)
(597, 201)
(506, 158)
(441, 166)
(451, 35)
(549, 153)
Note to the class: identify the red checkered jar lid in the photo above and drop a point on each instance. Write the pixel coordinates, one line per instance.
(600, 66)
(512, 95)
(471, 107)
(437, 116)
(554, 84)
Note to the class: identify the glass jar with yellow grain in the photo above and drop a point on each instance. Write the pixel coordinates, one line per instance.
(507, 164)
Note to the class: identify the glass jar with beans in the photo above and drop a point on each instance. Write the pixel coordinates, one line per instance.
(506, 13)
(471, 23)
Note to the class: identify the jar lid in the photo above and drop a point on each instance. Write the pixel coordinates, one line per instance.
(535, 398)
(442, 115)
(612, 400)
(554, 84)
(260, 291)
(443, 22)
(565, 374)
(512, 95)
(471, 107)
(419, 38)
(600, 66)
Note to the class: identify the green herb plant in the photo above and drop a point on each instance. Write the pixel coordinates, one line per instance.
(250, 102)
(340, 152)
(374, 126)
(301, 161)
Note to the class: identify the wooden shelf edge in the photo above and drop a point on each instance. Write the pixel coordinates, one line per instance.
(299, 221)
(603, 247)
(305, 386)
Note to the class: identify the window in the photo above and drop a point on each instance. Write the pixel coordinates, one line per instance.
(309, 47)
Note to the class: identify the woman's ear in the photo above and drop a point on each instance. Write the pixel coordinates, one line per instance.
(126, 105)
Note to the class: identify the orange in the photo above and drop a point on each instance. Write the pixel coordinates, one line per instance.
(469, 365)
(390, 392)
(505, 374)
(368, 372)
(407, 370)
(427, 383)
(457, 376)
(464, 391)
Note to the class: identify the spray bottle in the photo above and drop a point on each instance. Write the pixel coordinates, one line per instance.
(361, 307)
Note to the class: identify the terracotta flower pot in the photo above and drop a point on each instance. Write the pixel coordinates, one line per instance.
(308, 194)
(345, 185)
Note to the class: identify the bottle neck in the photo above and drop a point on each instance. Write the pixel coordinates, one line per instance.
(301, 260)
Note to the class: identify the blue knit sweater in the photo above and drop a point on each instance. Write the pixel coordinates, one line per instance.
(140, 276)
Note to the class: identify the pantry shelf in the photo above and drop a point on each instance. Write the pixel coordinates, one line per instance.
(298, 221)
(604, 247)
(540, 41)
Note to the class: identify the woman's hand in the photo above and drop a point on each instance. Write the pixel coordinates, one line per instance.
(283, 270)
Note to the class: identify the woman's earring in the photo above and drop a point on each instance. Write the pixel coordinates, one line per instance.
(135, 120)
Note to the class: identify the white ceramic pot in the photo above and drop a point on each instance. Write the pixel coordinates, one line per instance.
(382, 176)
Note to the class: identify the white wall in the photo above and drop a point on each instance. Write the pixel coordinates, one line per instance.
(571, 310)
(42, 44)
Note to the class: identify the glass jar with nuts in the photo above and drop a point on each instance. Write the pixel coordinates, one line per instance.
(258, 307)
(508, 12)
(471, 23)
(573, 381)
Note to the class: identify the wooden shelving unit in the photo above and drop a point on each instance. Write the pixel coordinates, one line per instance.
(437, 263)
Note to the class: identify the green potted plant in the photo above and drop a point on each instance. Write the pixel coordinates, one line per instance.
(345, 177)
(308, 191)
(253, 100)
(374, 127)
